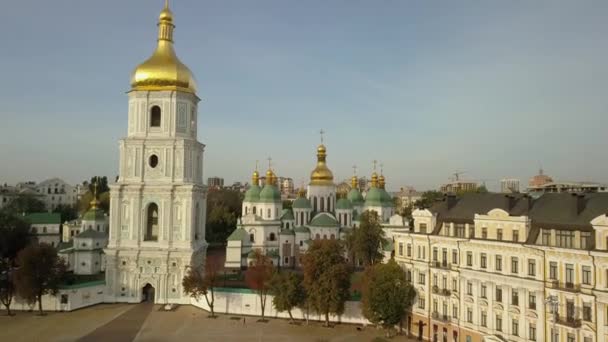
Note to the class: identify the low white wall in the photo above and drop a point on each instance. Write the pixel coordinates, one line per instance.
(243, 302)
(77, 297)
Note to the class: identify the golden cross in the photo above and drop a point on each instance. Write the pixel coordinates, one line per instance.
(355, 170)
(166, 3)
(322, 132)
(375, 162)
(269, 163)
(256, 164)
(381, 168)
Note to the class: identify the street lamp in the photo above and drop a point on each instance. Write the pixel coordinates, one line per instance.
(553, 302)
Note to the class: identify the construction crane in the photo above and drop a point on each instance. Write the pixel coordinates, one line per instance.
(456, 175)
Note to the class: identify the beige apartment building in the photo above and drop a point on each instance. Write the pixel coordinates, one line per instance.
(493, 267)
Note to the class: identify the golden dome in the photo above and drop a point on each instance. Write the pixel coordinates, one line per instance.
(321, 175)
(374, 180)
(354, 182)
(381, 182)
(255, 178)
(269, 177)
(163, 70)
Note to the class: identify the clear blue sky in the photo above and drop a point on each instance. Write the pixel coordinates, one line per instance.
(493, 88)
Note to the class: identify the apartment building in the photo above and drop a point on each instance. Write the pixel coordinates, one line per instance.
(496, 267)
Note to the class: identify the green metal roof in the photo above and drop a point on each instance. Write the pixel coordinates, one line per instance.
(355, 197)
(43, 218)
(301, 203)
(91, 234)
(270, 194)
(302, 229)
(343, 203)
(374, 198)
(387, 200)
(287, 215)
(253, 194)
(94, 215)
(287, 232)
(238, 235)
(324, 220)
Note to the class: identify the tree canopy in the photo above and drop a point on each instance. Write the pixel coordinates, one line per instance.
(25, 204)
(428, 198)
(14, 236)
(366, 240)
(288, 291)
(326, 277)
(223, 209)
(386, 295)
(258, 276)
(40, 272)
(199, 283)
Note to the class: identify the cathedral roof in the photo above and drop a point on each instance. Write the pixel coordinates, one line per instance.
(302, 229)
(163, 70)
(343, 203)
(94, 214)
(321, 175)
(324, 220)
(301, 203)
(91, 234)
(252, 194)
(238, 235)
(287, 214)
(270, 194)
(355, 197)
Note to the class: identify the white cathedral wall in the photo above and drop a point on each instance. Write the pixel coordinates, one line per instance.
(327, 192)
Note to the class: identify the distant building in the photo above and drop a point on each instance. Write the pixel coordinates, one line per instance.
(459, 186)
(509, 185)
(408, 196)
(539, 180)
(56, 192)
(45, 227)
(573, 187)
(8, 193)
(238, 186)
(215, 182)
(286, 185)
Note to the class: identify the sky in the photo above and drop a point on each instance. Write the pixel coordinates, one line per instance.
(491, 88)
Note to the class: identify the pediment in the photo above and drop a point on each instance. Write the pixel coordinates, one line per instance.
(498, 213)
(498, 306)
(514, 310)
(532, 314)
(468, 299)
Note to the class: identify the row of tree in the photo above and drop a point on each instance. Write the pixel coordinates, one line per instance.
(324, 284)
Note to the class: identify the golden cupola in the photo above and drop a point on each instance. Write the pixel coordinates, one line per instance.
(163, 70)
(354, 182)
(374, 180)
(321, 175)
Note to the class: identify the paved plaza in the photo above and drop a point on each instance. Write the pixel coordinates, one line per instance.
(146, 322)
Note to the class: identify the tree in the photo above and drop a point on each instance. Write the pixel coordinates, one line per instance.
(14, 236)
(102, 184)
(326, 277)
(25, 204)
(223, 208)
(367, 239)
(85, 201)
(67, 212)
(258, 277)
(40, 271)
(198, 283)
(288, 292)
(428, 198)
(386, 295)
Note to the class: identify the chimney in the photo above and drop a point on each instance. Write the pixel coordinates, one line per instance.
(578, 203)
(450, 199)
(509, 202)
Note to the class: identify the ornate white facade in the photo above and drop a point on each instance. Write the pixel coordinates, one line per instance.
(158, 205)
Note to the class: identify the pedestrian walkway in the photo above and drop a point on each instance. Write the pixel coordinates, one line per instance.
(123, 328)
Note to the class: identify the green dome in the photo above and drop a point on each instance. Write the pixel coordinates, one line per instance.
(387, 200)
(374, 198)
(301, 203)
(343, 203)
(270, 194)
(355, 197)
(94, 215)
(253, 194)
(324, 220)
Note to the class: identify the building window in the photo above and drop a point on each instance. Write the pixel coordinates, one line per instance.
(409, 250)
(460, 231)
(455, 256)
(585, 240)
(499, 294)
(400, 248)
(514, 297)
(469, 258)
(571, 338)
(484, 233)
(532, 301)
(587, 312)
(421, 279)
(435, 254)
(499, 234)
(454, 285)
(532, 332)
(272, 237)
(498, 323)
(469, 288)
(423, 228)
(514, 263)
(483, 291)
(484, 319)
(455, 311)
(483, 260)
(569, 274)
(586, 275)
(565, 238)
(64, 299)
(421, 303)
(155, 116)
(153, 161)
(301, 243)
(515, 328)
(546, 237)
(251, 238)
(532, 267)
(515, 236)
(498, 263)
(471, 232)
(469, 315)
(152, 223)
(553, 270)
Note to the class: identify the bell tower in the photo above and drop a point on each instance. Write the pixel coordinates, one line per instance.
(158, 204)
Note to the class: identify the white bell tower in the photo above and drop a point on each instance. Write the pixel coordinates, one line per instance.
(158, 205)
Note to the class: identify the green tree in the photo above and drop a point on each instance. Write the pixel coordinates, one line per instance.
(25, 204)
(14, 236)
(367, 239)
(386, 295)
(288, 291)
(258, 277)
(39, 272)
(287, 204)
(85, 201)
(326, 277)
(102, 184)
(197, 283)
(428, 198)
(67, 212)
(223, 209)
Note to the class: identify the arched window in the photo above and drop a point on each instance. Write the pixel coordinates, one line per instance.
(254, 210)
(301, 218)
(332, 236)
(317, 237)
(314, 202)
(322, 204)
(246, 210)
(196, 222)
(251, 238)
(272, 237)
(152, 223)
(269, 212)
(155, 116)
(324, 237)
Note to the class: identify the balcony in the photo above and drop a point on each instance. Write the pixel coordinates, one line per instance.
(440, 317)
(569, 321)
(441, 292)
(441, 264)
(567, 286)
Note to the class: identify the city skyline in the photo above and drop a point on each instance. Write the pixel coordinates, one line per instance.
(403, 90)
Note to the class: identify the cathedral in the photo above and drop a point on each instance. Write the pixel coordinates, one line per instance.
(158, 204)
(319, 212)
